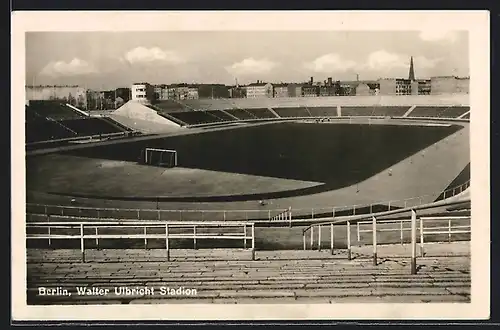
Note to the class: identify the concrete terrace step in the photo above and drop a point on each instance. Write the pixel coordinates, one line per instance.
(276, 276)
(312, 294)
(289, 300)
(364, 252)
(269, 285)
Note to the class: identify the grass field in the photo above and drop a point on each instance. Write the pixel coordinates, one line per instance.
(335, 156)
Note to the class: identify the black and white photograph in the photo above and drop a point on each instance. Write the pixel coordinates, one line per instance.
(250, 165)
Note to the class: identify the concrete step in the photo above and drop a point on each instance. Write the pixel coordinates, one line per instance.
(330, 294)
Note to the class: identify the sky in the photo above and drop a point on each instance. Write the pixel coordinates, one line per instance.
(105, 60)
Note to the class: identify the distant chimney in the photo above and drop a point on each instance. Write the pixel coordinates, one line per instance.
(357, 76)
(312, 80)
(329, 81)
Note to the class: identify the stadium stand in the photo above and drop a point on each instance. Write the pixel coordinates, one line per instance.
(454, 112)
(166, 115)
(195, 117)
(42, 129)
(208, 104)
(53, 109)
(467, 116)
(358, 111)
(261, 112)
(170, 106)
(91, 126)
(323, 111)
(242, 114)
(428, 111)
(293, 112)
(221, 114)
(389, 111)
(120, 126)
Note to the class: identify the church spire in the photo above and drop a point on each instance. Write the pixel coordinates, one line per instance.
(411, 75)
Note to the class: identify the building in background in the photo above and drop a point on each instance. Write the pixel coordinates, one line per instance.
(280, 90)
(161, 92)
(74, 95)
(259, 90)
(395, 86)
(348, 88)
(213, 91)
(237, 92)
(143, 92)
(309, 90)
(449, 85)
(192, 93)
(108, 99)
(363, 89)
(327, 88)
(124, 94)
(182, 92)
(94, 100)
(463, 85)
(403, 86)
(411, 71)
(294, 90)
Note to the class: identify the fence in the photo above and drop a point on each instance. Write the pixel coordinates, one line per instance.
(270, 215)
(450, 229)
(351, 119)
(375, 223)
(83, 138)
(90, 231)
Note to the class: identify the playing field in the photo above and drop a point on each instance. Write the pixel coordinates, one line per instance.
(261, 162)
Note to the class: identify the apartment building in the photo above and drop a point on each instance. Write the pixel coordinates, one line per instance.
(449, 85)
(280, 90)
(259, 89)
(143, 92)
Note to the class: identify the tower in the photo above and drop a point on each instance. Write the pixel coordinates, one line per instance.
(411, 75)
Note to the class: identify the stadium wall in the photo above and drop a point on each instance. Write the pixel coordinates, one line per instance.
(368, 100)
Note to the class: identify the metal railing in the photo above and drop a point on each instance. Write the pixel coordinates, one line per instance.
(333, 116)
(284, 216)
(83, 231)
(378, 219)
(270, 215)
(450, 230)
(84, 138)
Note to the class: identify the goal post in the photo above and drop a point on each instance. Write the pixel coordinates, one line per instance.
(160, 157)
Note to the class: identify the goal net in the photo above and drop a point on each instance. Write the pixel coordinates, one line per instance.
(159, 157)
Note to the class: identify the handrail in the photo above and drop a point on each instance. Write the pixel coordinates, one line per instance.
(422, 231)
(355, 218)
(402, 228)
(167, 235)
(334, 116)
(83, 137)
(281, 215)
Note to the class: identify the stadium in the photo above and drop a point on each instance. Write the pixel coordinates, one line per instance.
(219, 181)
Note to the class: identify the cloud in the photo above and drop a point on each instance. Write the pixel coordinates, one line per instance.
(438, 35)
(383, 60)
(424, 62)
(251, 66)
(155, 54)
(75, 67)
(330, 63)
